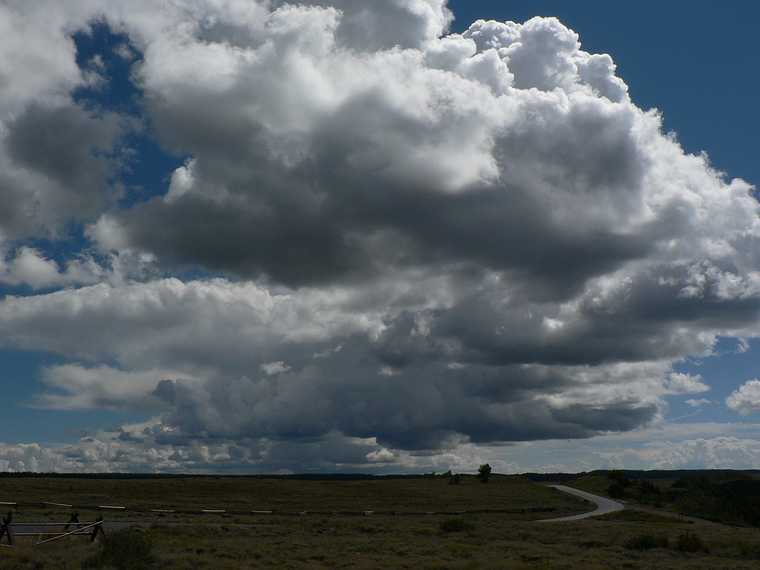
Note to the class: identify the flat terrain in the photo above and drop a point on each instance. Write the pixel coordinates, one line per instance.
(626, 539)
(244, 494)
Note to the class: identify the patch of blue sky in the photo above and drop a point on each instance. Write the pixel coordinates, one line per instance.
(148, 166)
(732, 365)
(21, 421)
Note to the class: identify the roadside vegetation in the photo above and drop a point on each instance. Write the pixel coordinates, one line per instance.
(731, 497)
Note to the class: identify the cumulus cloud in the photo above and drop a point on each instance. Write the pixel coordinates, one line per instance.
(713, 453)
(698, 402)
(152, 447)
(746, 399)
(680, 383)
(30, 267)
(74, 387)
(271, 367)
(56, 156)
(416, 239)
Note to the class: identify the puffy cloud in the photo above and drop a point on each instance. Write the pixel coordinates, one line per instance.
(725, 452)
(30, 267)
(370, 25)
(56, 157)
(55, 164)
(73, 387)
(152, 447)
(429, 157)
(698, 402)
(746, 399)
(270, 367)
(680, 383)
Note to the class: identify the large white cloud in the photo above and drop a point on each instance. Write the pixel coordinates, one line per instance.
(420, 239)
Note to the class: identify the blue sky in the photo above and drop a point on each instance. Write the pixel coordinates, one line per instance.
(695, 65)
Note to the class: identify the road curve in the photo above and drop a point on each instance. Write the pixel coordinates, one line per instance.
(603, 505)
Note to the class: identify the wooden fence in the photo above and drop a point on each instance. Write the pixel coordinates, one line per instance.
(48, 531)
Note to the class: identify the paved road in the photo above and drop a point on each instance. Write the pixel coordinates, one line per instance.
(603, 505)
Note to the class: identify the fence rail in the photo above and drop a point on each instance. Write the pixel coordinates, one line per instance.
(207, 510)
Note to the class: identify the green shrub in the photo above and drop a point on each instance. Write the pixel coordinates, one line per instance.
(690, 542)
(454, 525)
(619, 477)
(646, 542)
(484, 472)
(649, 488)
(748, 550)
(128, 549)
(616, 491)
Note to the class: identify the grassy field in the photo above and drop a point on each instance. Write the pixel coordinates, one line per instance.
(293, 495)
(626, 540)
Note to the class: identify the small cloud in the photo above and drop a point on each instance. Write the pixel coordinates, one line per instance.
(274, 368)
(96, 62)
(329, 352)
(381, 456)
(125, 52)
(681, 383)
(698, 403)
(745, 400)
(742, 345)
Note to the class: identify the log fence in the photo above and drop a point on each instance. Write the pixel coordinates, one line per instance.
(46, 531)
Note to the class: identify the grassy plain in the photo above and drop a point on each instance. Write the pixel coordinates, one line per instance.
(477, 541)
(290, 494)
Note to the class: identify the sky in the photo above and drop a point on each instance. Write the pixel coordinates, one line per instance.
(360, 236)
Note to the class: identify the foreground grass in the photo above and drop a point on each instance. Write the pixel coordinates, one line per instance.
(482, 542)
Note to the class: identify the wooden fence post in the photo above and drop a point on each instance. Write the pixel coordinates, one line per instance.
(5, 528)
(98, 530)
(73, 521)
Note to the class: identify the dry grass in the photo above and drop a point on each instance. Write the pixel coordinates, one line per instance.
(242, 493)
(482, 542)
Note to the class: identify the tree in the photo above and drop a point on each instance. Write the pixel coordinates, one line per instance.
(616, 491)
(484, 472)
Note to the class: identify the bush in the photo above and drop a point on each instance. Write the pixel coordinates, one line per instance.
(748, 550)
(453, 525)
(681, 483)
(649, 488)
(616, 491)
(690, 542)
(619, 477)
(484, 472)
(128, 549)
(646, 542)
